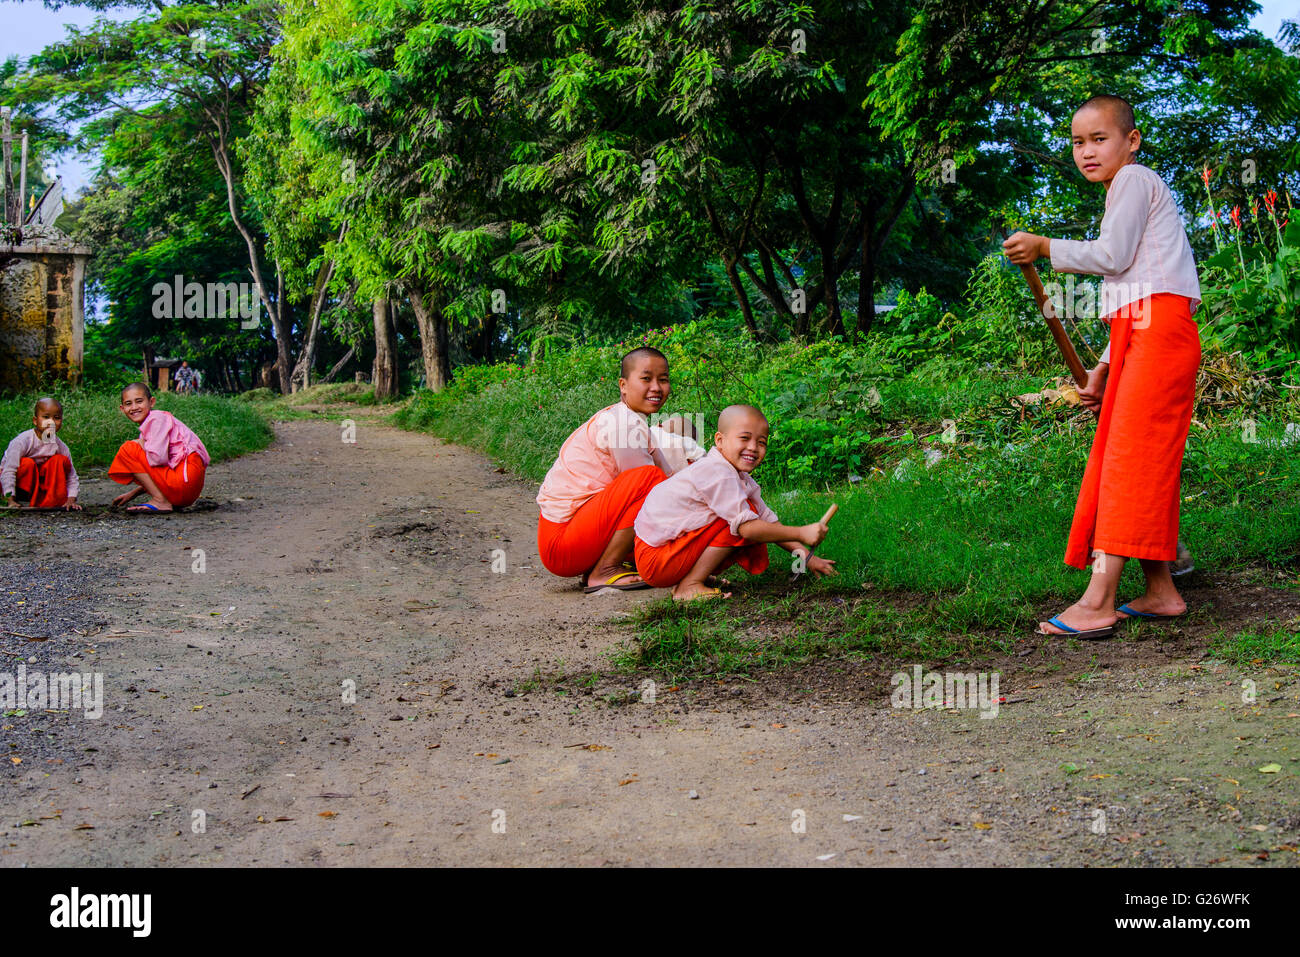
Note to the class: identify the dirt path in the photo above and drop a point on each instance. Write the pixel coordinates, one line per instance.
(330, 565)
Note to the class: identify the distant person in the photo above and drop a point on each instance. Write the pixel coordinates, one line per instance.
(184, 378)
(1128, 502)
(711, 515)
(168, 461)
(36, 470)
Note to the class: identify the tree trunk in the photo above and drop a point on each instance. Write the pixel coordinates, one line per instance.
(384, 372)
(148, 361)
(742, 299)
(301, 377)
(866, 276)
(282, 325)
(221, 154)
(433, 337)
(338, 366)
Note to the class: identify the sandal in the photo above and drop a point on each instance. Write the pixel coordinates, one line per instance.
(1133, 613)
(712, 594)
(1089, 635)
(628, 586)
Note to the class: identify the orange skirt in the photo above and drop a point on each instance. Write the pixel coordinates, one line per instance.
(1128, 501)
(180, 486)
(573, 547)
(44, 485)
(663, 566)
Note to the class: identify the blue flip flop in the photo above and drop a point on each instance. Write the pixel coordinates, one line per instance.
(148, 507)
(1092, 634)
(1145, 615)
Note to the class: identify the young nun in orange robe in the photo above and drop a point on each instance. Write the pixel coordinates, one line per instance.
(711, 515)
(1146, 381)
(591, 495)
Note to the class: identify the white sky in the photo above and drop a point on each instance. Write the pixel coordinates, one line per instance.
(27, 27)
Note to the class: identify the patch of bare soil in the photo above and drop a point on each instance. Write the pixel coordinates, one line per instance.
(345, 661)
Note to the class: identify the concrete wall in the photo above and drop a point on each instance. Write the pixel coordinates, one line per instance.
(42, 321)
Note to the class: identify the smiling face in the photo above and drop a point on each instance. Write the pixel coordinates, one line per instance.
(742, 437)
(645, 388)
(48, 419)
(1101, 147)
(135, 404)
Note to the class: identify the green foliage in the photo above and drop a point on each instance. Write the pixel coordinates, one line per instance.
(1251, 288)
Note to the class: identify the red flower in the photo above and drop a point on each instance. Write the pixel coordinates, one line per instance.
(1205, 176)
(1270, 200)
(1254, 208)
(1236, 216)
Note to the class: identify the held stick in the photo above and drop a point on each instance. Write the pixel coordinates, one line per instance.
(1058, 331)
(830, 513)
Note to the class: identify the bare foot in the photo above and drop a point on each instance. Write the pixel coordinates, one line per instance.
(1080, 619)
(694, 591)
(1165, 605)
(152, 505)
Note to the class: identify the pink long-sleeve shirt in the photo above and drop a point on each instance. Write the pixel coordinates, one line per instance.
(28, 445)
(611, 442)
(705, 490)
(167, 441)
(1142, 248)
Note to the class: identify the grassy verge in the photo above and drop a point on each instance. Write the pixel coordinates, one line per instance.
(962, 533)
(94, 427)
(1275, 642)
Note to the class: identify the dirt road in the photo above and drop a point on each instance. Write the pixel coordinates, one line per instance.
(332, 666)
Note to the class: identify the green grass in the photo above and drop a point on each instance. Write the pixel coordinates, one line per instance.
(1271, 642)
(966, 552)
(94, 427)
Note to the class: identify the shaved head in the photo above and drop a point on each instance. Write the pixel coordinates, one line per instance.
(1120, 110)
(734, 416)
(636, 355)
(53, 405)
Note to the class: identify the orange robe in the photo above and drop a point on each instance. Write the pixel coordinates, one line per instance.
(180, 485)
(1128, 501)
(573, 547)
(664, 566)
(46, 484)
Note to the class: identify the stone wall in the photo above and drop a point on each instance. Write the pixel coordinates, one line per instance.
(42, 321)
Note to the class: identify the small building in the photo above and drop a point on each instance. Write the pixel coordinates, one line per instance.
(42, 303)
(162, 372)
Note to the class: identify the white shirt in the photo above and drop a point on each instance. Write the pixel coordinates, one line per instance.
(678, 451)
(1142, 248)
(613, 441)
(29, 445)
(706, 490)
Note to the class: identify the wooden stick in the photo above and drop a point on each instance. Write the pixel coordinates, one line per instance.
(1058, 331)
(830, 513)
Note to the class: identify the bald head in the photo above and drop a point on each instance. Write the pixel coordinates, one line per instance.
(1117, 108)
(48, 405)
(738, 416)
(634, 358)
